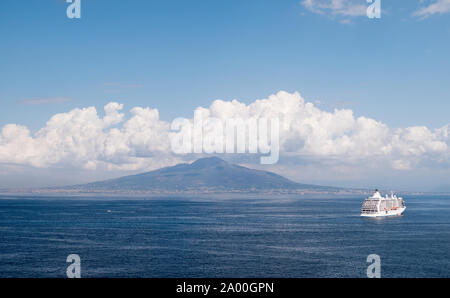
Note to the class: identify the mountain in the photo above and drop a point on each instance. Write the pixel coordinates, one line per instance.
(204, 175)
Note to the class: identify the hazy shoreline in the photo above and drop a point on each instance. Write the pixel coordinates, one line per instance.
(191, 196)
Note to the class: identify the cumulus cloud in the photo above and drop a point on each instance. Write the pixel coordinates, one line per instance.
(437, 7)
(81, 138)
(306, 130)
(347, 8)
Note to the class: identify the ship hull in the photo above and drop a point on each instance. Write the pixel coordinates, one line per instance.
(389, 213)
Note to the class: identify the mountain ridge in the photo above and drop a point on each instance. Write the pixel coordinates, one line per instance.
(210, 174)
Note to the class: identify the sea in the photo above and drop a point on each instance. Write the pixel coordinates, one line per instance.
(257, 237)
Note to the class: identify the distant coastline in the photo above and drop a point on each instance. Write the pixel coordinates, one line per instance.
(205, 177)
(60, 192)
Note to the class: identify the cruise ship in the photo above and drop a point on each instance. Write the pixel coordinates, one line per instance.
(378, 206)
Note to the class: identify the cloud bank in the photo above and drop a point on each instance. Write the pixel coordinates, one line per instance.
(83, 139)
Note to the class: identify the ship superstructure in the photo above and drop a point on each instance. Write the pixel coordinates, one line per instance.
(379, 206)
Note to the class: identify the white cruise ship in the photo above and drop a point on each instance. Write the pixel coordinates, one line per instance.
(378, 206)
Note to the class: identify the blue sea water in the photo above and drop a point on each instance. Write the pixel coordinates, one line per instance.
(216, 237)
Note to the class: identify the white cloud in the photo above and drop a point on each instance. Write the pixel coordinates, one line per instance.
(401, 164)
(346, 8)
(309, 131)
(83, 139)
(437, 7)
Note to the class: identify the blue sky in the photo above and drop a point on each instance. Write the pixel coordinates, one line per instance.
(178, 55)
